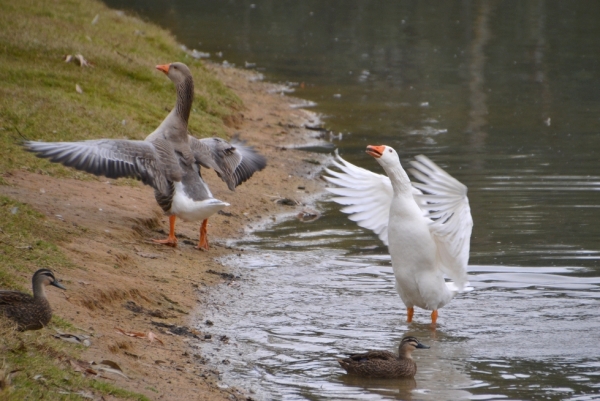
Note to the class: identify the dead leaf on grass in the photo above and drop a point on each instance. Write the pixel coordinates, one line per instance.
(150, 336)
(73, 338)
(91, 371)
(137, 334)
(78, 59)
(82, 367)
(109, 367)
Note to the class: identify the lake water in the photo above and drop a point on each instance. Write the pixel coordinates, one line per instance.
(506, 97)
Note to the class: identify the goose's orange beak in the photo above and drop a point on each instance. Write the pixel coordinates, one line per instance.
(164, 68)
(375, 150)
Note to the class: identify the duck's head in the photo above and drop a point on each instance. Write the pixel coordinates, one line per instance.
(177, 72)
(46, 277)
(385, 155)
(408, 345)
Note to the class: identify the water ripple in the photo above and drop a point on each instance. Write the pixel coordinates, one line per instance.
(296, 312)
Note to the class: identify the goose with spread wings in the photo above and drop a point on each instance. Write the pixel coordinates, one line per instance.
(169, 160)
(426, 226)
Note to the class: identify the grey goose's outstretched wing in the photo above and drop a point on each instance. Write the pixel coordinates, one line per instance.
(233, 162)
(155, 163)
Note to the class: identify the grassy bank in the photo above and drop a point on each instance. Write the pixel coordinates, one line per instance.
(123, 96)
(42, 97)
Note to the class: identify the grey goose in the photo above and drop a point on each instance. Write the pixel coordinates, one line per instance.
(169, 160)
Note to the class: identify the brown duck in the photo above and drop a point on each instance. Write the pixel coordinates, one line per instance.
(30, 313)
(169, 160)
(384, 364)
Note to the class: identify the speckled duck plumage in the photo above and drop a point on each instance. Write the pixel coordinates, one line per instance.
(30, 312)
(384, 364)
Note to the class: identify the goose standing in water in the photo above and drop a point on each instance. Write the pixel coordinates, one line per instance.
(30, 313)
(426, 226)
(169, 160)
(384, 364)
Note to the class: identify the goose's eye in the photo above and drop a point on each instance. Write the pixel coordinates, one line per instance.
(390, 150)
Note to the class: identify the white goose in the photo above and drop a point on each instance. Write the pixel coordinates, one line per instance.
(426, 226)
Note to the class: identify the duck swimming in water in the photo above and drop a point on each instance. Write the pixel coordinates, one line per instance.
(384, 364)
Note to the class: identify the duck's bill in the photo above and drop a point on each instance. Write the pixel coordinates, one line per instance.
(56, 283)
(423, 346)
(375, 151)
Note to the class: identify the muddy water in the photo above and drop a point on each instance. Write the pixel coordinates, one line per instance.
(505, 96)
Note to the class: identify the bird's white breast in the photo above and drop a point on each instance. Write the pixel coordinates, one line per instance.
(419, 281)
(190, 210)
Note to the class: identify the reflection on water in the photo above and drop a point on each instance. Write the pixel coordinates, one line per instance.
(523, 333)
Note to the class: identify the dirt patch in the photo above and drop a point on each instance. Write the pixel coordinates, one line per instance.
(124, 281)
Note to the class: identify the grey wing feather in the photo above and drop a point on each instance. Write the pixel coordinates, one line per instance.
(234, 163)
(152, 163)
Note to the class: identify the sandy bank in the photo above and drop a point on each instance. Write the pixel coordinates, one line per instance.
(122, 280)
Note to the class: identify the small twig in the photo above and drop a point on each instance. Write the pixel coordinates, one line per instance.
(124, 55)
(19, 132)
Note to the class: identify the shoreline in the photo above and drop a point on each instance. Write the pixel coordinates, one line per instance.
(123, 282)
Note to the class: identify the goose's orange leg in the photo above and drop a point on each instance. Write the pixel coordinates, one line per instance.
(171, 239)
(203, 242)
(434, 316)
(409, 314)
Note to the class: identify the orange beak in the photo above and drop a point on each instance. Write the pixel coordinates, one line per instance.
(164, 68)
(375, 150)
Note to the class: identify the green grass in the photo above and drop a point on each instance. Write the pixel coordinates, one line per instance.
(28, 242)
(123, 97)
(41, 370)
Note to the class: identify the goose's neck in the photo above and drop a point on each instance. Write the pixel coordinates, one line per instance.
(185, 97)
(399, 178)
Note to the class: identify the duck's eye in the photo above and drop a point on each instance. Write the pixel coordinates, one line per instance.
(390, 150)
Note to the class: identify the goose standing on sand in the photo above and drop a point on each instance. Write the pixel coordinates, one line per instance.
(426, 226)
(169, 160)
(30, 313)
(384, 364)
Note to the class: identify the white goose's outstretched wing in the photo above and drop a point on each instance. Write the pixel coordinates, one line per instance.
(233, 162)
(366, 196)
(444, 200)
(153, 163)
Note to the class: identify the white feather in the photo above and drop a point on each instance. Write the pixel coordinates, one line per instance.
(190, 210)
(367, 195)
(434, 237)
